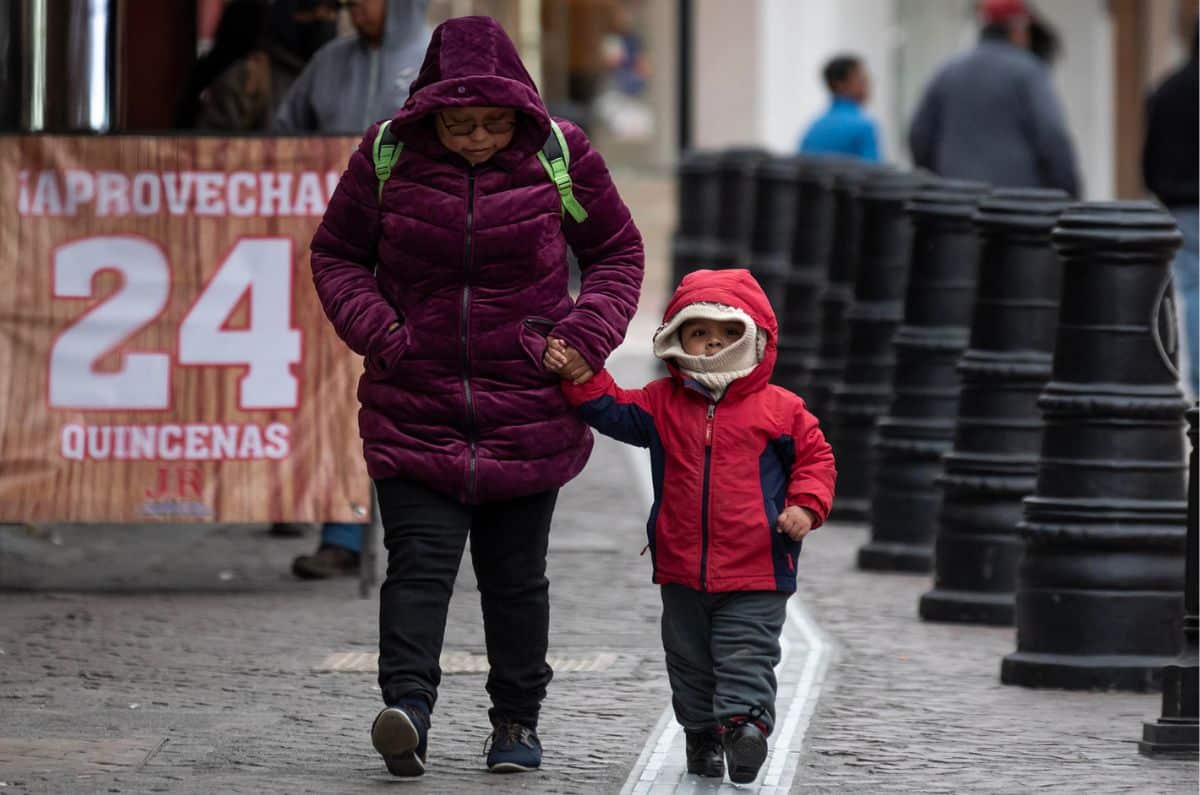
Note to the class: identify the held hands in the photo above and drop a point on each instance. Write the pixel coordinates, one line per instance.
(566, 361)
(796, 522)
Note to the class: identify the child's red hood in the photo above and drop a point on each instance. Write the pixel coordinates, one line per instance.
(737, 288)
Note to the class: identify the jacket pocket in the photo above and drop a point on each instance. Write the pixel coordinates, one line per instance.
(533, 332)
(388, 352)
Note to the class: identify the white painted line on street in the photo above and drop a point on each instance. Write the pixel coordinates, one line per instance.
(661, 768)
(797, 715)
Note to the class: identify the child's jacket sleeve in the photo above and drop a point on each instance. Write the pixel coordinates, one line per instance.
(343, 255)
(813, 472)
(623, 414)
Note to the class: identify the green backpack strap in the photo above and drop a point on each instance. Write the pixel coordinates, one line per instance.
(387, 151)
(556, 159)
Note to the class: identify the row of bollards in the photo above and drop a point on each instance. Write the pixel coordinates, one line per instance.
(992, 465)
(919, 426)
(996, 371)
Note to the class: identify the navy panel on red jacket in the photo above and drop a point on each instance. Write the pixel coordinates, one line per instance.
(723, 470)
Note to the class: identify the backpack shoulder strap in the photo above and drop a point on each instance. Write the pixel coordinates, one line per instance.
(555, 157)
(387, 151)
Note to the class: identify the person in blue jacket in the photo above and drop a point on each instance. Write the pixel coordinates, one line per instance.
(844, 129)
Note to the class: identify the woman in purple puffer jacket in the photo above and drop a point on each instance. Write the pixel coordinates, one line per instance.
(448, 286)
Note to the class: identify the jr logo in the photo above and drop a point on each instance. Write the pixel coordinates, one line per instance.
(177, 483)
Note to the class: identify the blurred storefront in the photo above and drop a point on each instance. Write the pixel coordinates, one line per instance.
(744, 72)
(756, 69)
(609, 65)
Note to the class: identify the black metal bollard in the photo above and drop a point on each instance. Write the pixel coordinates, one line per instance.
(812, 239)
(1099, 588)
(919, 428)
(776, 187)
(865, 390)
(1177, 732)
(835, 299)
(998, 433)
(693, 246)
(735, 203)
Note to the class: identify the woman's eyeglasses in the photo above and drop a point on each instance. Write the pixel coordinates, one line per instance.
(465, 128)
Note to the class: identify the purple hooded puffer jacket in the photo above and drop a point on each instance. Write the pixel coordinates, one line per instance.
(472, 262)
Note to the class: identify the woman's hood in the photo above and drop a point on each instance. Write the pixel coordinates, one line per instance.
(471, 62)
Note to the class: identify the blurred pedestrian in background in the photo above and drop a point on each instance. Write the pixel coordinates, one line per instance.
(991, 114)
(1171, 170)
(353, 82)
(240, 30)
(622, 105)
(246, 95)
(1043, 40)
(844, 129)
(348, 85)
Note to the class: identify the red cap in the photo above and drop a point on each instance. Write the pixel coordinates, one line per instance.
(998, 11)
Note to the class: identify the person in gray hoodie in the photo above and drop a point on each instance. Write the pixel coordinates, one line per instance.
(353, 82)
(990, 115)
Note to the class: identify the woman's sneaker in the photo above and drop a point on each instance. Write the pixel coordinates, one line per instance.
(400, 734)
(705, 754)
(745, 749)
(513, 748)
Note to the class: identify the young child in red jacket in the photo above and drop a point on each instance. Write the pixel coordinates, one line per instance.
(741, 474)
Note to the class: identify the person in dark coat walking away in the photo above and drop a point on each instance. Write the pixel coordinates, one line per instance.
(1171, 170)
(244, 98)
(990, 115)
(240, 31)
(741, 474)
(844, 128)
(447, 277)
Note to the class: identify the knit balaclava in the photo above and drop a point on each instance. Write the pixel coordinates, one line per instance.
(717, 372)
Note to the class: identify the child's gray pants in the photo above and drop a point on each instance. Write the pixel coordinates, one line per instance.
(722, 649)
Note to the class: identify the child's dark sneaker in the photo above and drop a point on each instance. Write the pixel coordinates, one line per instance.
(513, 748)
(745, 749)
(705, 755)
(400, 734)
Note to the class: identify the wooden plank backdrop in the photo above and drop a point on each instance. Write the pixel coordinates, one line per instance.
(322, 477)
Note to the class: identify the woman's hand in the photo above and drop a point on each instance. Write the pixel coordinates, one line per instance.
(796, 522)
(566, 361)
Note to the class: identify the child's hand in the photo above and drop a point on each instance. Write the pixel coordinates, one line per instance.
(796, 522)
(555, 357)
(566, 361)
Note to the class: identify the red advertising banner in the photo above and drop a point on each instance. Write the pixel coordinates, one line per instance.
(163, 355)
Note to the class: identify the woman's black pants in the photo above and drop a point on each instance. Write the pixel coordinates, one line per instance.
(425, 533)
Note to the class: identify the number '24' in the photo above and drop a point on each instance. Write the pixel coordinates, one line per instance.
(267, 348)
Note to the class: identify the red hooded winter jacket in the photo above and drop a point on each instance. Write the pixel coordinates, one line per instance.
(723, 471)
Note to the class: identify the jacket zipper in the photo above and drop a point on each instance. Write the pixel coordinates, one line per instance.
(464, 331)
(708, 441)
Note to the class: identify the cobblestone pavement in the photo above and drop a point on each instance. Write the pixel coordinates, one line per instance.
(155, 690)
(186, 660)
(918, 707)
